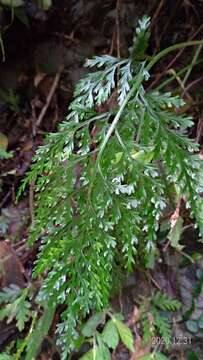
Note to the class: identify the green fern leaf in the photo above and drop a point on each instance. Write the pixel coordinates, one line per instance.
(101, 187)
(163, 326)
(140, 41)
(164, 302)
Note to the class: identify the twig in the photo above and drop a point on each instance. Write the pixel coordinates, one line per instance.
(197, 52)
(112, 41)
(154, 282)
(5, 198)
(156, 14)
(199, 130)
(179, 81)
(49, 97)
(116, 32)
(33, 117)
(169, 19)
(118, 7)
(159, 76)
(191, 85)
(68, 37)
(19, 243)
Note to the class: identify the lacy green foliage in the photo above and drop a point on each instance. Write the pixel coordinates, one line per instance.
(5, 155)
(140, 41)
(155, 320)
(163, 302)
(148, 328)
(162, 326)
(17, 306)
(102, 185)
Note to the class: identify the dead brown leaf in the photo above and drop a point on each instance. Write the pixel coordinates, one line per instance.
(11, 269)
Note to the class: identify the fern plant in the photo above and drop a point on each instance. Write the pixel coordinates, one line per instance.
(155, 324)
(17, 306)
(102, 183)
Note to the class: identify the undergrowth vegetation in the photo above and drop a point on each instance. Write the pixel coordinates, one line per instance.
(103, 181)
(20, 10)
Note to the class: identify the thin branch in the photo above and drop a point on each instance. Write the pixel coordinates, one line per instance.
(49, 97)
(118, 8)
(197, 52)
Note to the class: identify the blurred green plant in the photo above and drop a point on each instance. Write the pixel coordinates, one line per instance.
(155, 319)
(11, 99)
(18, 9)
(102, 332)
(102, 186)
(114, 330)
(4, 154)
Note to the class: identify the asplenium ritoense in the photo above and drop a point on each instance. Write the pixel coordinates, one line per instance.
(102, 181)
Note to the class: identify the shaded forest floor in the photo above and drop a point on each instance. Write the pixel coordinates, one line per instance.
(44, 60)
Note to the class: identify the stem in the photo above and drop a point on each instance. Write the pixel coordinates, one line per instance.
(94, 348)
(164, 52)
(197, 52)
(2, 48)
(111, 129)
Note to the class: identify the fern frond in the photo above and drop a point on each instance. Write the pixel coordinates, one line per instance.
(162, 325)
(17, 306)
(140, 40)
(148, 329)
(100, 191)
(164, 302)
